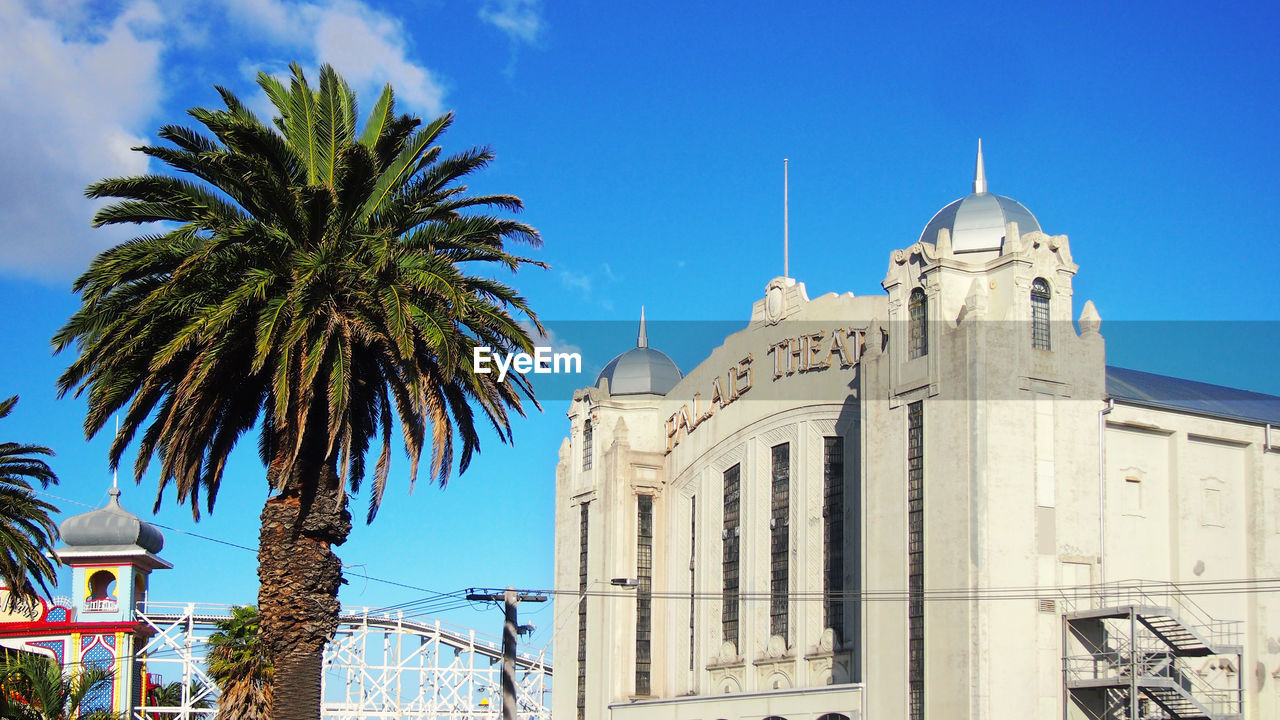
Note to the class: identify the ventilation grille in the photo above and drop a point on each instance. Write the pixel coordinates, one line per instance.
(1047, 606)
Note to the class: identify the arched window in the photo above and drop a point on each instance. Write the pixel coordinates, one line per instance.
(102, 585)
(917, 313)
(834, 716)
(1040, 314)
(101, 592)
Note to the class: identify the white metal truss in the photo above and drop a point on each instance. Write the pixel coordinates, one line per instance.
(379, 666)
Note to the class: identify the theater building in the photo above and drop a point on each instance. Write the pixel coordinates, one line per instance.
(936, 502)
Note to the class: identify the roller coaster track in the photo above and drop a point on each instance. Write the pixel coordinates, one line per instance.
(379, 666)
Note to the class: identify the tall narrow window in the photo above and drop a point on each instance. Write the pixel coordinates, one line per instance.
(586, 444)
(693, 555)
(582, 613)
(644, 592)
(833, 534)
(915, 560)
(917, 313)
(729, 557)
(779, 540)
(1040, 315)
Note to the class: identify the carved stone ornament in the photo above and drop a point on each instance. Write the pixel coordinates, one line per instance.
(775, 301)
(827, 642)
(728, 652)
(776, 647)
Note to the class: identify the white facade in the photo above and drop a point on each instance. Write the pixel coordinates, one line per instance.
(991, 429)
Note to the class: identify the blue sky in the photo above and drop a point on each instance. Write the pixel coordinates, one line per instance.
(647, 142)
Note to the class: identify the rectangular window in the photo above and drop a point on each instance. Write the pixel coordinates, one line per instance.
(1040, 339)
(915, 560)
(729, 557)
(917, 325)
(833, 534)
(586, 445)
(644, 592)
(582, 613)
(779, 538)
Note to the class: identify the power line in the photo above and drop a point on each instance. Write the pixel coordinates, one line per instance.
(1243, 586)
(238, 546)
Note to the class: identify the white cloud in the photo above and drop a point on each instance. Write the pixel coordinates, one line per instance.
(575, 280)
(368, 50)
(368, 47)
(70, 108)
(278, 20)
(78, 89)
(521, 20)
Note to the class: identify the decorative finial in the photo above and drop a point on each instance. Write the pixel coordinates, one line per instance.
(642, 340)
(115, 472)
(979, 173)
(1090, 321)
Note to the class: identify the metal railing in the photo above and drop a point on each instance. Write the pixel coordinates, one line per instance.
(1156, 595)
(1154, 671)
(107, 605)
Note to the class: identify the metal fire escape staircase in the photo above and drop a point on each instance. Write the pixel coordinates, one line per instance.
(1126, 652)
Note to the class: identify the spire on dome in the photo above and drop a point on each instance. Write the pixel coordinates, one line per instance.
(642, 370)
(979, 173)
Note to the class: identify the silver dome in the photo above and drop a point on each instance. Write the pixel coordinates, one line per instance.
(641, 370)
(977, 221)
(111, 527)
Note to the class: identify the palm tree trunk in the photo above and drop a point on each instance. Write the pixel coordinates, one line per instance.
(298, 577)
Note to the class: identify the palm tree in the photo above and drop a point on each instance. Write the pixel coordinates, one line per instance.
(321, 282)
(170, 695)
(27, 533)
(33, 687)
(238, 663)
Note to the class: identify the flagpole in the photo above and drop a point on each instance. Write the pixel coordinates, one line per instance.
(786, 223)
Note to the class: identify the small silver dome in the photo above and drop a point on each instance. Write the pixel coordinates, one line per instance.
(111, 527)
(641, 370)
(977, 221)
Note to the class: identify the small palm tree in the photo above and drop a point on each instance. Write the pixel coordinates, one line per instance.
(27, 533)
(170, 695)
(238, 663)
(34, 687)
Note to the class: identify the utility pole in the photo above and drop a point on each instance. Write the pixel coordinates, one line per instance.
(510, 598)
